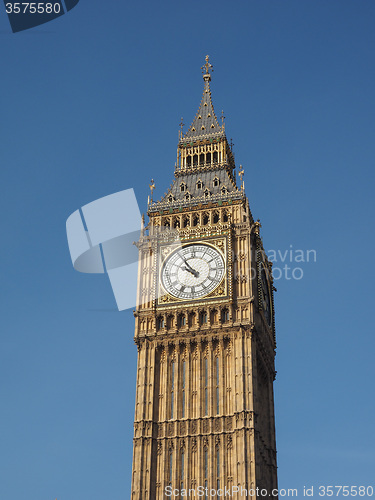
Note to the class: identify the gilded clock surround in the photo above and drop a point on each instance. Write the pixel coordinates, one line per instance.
(204, 412)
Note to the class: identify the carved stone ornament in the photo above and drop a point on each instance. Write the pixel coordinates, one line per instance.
(166, 299)
(194, 445)
(205, 425)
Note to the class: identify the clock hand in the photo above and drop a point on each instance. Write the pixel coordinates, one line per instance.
(191, 270)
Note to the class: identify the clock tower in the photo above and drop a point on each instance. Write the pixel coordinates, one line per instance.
(204, 328)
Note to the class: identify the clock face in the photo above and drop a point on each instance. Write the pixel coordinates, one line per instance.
(193, 271)
(266, 302)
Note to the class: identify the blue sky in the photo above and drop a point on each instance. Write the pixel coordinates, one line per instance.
(91, 104)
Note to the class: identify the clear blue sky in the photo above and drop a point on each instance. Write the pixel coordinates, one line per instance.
(90, 105)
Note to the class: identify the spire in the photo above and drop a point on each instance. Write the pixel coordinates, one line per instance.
(205, 123)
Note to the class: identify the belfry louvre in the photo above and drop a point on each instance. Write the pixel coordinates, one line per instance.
(204, 329)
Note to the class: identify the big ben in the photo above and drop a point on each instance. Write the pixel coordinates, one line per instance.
(204, 329)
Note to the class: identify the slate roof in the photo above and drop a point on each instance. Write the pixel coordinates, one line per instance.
(205, 123)
(197, 195)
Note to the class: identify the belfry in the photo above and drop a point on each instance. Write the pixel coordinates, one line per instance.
(204, 329)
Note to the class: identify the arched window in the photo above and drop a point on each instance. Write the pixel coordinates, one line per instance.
(216, 218)
(203, 317)
(170, 467)
(217, 384)
(182, 473)
(216, 182)
(195, 160)
(172, 390)
(225, 315)
(195, 220)
(205, 386)
(183, 385)
(182, 187)
(217, 469)
(182, 320)
(188, 161)
(160, 322)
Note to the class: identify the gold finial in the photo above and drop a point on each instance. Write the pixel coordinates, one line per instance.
(152, 187)
(241, 173)
(181, 127)
(257, 226)
(207, 69)
(222, 119)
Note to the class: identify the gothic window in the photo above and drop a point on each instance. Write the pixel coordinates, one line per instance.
(224, 190)
(216, 182)
(225, 315)
(183, 186)
(192, 319)
(208, 158)
(182, 470)
(199, 184)
(160, 322)
(172, 389)
(187, 196)
(195, 160)
(167, 223)
(205, 386)
(201, 159)
(206, 193)
(188, 161)
(205, 457)
(196, 220)
(213, 316)
(217, 385)
(183, 389)
(203, 318)
(182, 320)
(217, 469)
(205, 219)
(215, 157)
(170, 198)
(170, 321)
(216, 217)
(225, 217)
(170, 467)
(186, 221)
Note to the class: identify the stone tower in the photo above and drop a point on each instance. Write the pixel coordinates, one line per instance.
(204, 328)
